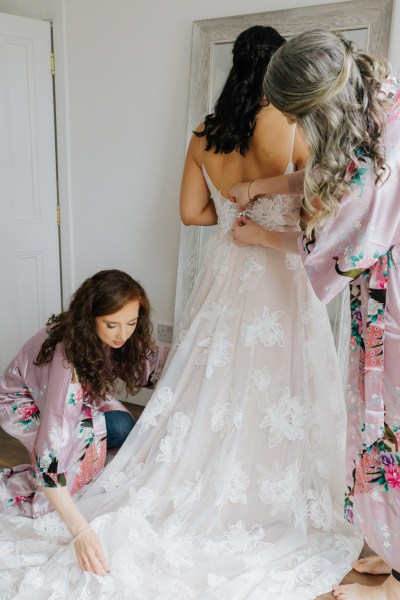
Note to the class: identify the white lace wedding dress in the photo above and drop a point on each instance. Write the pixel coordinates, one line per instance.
(230, 486)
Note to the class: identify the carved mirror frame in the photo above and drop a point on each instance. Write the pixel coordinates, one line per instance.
(371, 15)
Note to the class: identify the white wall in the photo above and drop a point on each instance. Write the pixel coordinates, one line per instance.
(122, 88)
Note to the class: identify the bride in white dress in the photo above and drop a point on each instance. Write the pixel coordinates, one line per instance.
(230, 485)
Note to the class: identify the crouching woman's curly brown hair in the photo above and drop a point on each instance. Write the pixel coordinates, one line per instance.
(98, 366)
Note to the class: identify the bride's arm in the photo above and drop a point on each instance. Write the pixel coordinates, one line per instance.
(196, 205)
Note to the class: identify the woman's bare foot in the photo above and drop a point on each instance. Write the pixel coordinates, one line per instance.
(389, 590)
(372, 565)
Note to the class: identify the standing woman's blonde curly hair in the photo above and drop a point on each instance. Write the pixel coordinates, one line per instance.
(333, 90)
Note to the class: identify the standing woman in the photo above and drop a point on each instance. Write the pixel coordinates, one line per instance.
(348, 110)
(267, 327)
(55, 398)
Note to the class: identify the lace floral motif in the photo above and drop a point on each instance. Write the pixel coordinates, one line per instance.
(180, 338)
(114, 481)
(171, 446)
(232, 483)
(264, 329)
(292, 262)
(234, 540)
(321, 466)
(51, 526)
(161, 401)
(217, 346)
(285, 419)
(219, 414)
(320, 509)
(228, 212)
(281, 490)
(279, 213)
(261, 379)
(227, 412)
(134, 469)
(143, 502)
(124, 568)
(176, 549)
(221, 312)
(216, 351)
(187, 492)
(250, 273)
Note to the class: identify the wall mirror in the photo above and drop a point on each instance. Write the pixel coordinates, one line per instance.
(366, 22)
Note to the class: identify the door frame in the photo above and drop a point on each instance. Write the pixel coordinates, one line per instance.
(54, 11)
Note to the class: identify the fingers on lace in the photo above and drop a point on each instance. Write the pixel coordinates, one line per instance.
(97, 566)
(103, 561)
(93, 564)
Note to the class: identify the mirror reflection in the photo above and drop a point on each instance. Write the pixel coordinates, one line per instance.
(221, 60)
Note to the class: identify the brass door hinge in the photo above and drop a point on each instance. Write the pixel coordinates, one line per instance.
(52, 63)
(58, 216)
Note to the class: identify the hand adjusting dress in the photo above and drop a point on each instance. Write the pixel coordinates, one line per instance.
(230, 486)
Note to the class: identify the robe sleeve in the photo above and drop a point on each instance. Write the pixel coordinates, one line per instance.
(57, 425)
(153, 366)
(365, 226)
(12, 384)
(17, 408)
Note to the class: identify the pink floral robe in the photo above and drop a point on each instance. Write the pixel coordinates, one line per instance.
(66, 437)
(360, 246)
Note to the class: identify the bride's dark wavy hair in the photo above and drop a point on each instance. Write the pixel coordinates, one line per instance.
(231, 125)
(98, 366)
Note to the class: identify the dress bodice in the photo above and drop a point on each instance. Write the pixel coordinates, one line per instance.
(278, 212)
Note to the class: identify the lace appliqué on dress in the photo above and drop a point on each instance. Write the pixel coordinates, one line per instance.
(250, 272)
(232, 481)
(285, 419)
(161, 401)
(281, 490)
(264, 329)
(172, 445)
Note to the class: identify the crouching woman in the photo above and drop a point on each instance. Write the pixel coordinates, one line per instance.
(56, 398)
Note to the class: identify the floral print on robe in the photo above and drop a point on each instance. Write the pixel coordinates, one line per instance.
(65, 436)
(360, 246)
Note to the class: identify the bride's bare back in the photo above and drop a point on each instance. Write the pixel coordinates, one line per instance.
(268, 156)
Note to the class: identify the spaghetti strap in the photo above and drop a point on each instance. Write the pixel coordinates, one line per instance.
(292, 147)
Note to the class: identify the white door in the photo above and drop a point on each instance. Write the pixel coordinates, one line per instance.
(29, 243)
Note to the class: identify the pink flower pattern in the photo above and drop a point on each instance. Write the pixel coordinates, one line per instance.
(392, 475)
(25, 412)
(20, 499)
